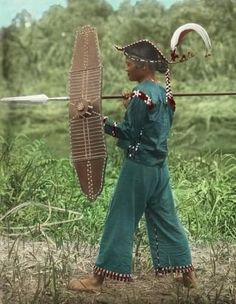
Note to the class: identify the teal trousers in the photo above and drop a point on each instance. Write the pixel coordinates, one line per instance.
(142, 190)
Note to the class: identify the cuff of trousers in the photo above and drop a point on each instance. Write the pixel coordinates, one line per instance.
(173, 269)
(112, 275)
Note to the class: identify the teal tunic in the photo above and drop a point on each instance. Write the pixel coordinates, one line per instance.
(143, 187)
(154, 125)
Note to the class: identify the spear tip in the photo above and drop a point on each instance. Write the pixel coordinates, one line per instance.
(41, 98)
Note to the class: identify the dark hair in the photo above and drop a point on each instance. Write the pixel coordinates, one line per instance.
(151, 65)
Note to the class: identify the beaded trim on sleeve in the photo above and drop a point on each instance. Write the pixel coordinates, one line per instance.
(145, 98)
(114, 127)
(104, 120)
(176, 269)
(112, 275)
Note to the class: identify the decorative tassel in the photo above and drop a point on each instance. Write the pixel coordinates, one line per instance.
(169, 95)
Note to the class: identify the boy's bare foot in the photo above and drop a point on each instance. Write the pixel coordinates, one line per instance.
(188, 279)
(92, 283)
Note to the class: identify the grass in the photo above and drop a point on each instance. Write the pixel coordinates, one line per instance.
(39, 193)
(206, 195)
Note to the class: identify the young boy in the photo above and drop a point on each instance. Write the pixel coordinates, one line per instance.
(143, 186)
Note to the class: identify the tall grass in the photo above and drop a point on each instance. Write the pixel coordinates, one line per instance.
(40, 196)
(205, 188)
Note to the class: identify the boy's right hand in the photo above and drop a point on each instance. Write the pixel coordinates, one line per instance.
(126, 98)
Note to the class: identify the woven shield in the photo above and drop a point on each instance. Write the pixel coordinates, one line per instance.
(88, 148)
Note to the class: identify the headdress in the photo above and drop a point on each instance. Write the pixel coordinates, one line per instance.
(146, 51)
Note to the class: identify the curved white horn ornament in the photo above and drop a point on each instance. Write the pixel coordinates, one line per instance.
(179, 35)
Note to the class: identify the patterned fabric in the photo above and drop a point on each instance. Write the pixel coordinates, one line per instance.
(147, 100)
(112, 275)
(178, 269)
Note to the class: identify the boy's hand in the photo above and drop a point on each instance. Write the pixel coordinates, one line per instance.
(126, 98)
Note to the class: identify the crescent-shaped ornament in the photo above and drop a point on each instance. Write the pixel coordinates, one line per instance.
(179, 35)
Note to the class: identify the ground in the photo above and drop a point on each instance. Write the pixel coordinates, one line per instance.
(38, 272)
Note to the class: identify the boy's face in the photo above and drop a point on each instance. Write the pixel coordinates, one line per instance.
(134, 72)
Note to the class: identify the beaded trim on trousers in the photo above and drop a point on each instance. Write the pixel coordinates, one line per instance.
(112, 275)
(175, 269)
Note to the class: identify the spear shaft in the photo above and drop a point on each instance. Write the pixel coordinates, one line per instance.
(180, 94)
(42, 98)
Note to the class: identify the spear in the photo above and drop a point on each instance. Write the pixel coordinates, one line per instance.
(42, 98)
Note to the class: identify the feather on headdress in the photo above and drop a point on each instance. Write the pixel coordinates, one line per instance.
(180, 34)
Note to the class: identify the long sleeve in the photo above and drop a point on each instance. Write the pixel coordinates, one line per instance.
(133, 121)
(119, 130)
